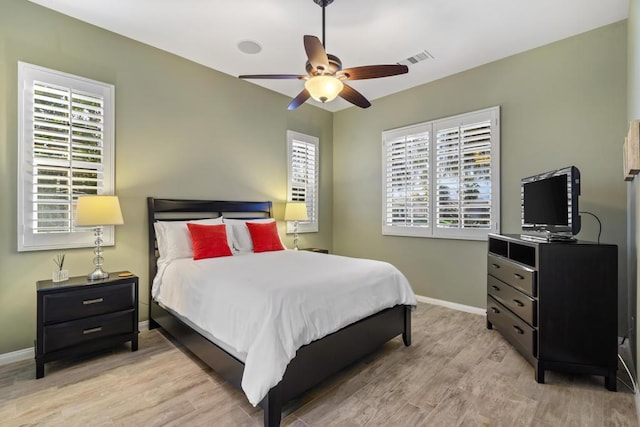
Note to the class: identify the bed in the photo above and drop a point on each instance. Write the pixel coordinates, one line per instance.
(312, 362)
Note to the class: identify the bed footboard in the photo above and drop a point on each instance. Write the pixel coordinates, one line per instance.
(319, 360)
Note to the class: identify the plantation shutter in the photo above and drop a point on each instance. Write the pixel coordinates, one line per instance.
(476, 186)
(446, 186)
(66, 150)
(467, 175)
(303, 176)
(407, 181)
(67, 154)
(448, 178)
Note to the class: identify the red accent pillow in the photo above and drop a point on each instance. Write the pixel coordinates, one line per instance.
(209, 241)
(265, 236)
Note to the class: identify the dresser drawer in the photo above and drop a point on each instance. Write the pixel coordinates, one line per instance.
(68, 334)
(77, 304)
(516, 301)
(516, 275)
(514, 329)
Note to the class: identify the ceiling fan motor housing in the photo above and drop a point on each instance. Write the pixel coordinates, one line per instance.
(335, 65)
(323, 3)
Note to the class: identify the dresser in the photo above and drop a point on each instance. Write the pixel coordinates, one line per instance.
(79, 316)
(556, 303)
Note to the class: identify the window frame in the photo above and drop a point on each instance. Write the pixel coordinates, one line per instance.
(28, 240)
(312, 225)
(431, 128)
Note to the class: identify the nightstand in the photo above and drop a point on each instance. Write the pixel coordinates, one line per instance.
(79, 316)
(319, 250)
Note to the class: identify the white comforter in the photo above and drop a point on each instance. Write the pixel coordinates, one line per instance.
(270, 304)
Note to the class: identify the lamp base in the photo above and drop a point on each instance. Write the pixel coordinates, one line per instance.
(98, 274)
(295, 236)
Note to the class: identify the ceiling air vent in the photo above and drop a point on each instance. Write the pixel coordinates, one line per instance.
(418, 57)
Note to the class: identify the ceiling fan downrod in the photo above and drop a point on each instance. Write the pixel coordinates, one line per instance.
(323, 4)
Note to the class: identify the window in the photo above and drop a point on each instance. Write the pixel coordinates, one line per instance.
(65, 149)
(442, 178)
(303, 167)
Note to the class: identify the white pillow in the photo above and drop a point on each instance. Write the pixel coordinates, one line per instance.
(241, 237)
(174, 240)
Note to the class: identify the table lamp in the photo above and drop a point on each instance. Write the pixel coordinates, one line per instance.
(295, 211)
(96, 212)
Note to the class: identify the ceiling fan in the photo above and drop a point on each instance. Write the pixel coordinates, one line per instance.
(325, 79)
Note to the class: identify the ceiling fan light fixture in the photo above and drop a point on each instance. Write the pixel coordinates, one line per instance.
(324, 88)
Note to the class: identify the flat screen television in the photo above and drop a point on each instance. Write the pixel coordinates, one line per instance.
(550, 204)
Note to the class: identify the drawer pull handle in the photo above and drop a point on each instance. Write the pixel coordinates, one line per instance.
(495, 310)
(518, 303)
(495, 288)
(518, 276)
(518, 330)
(92, 330)
(92, 301)
(495, 265)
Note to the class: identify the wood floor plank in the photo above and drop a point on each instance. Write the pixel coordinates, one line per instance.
(456, 373)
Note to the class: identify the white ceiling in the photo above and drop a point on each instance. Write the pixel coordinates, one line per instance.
(460, 34)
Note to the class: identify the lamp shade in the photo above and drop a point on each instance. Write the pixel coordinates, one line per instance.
(92, 211)
(295, 211)
(324, 88)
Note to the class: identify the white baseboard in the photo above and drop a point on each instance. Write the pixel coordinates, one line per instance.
(28, 353)
(452, 305)
(17, 356)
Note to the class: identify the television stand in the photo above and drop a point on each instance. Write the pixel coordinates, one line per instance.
(556, 303)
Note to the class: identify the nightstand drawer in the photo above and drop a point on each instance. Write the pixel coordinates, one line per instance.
(77, 304)
(68, 334)
(514, 329)
(514, 274)
(516, 301)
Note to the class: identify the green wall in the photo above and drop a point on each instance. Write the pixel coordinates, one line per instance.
(182, 130)
(561, 104)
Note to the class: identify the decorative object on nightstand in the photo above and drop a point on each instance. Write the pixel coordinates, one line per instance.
(81, 316)
(98, 211)
(59, 275)
(295, 211)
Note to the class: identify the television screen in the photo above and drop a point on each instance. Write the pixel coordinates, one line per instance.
(545, 201)
(550, 204)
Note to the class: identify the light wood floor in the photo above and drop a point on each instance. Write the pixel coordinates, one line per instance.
(455, 373)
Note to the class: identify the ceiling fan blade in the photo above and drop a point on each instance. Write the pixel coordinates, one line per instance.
(316, 53)
(271, 76)
(299, 100)
(354, 97)
(372, 71)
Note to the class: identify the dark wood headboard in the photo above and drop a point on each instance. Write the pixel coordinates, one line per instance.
(181, 210)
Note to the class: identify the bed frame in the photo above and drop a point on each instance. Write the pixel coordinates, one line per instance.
(314, 362)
